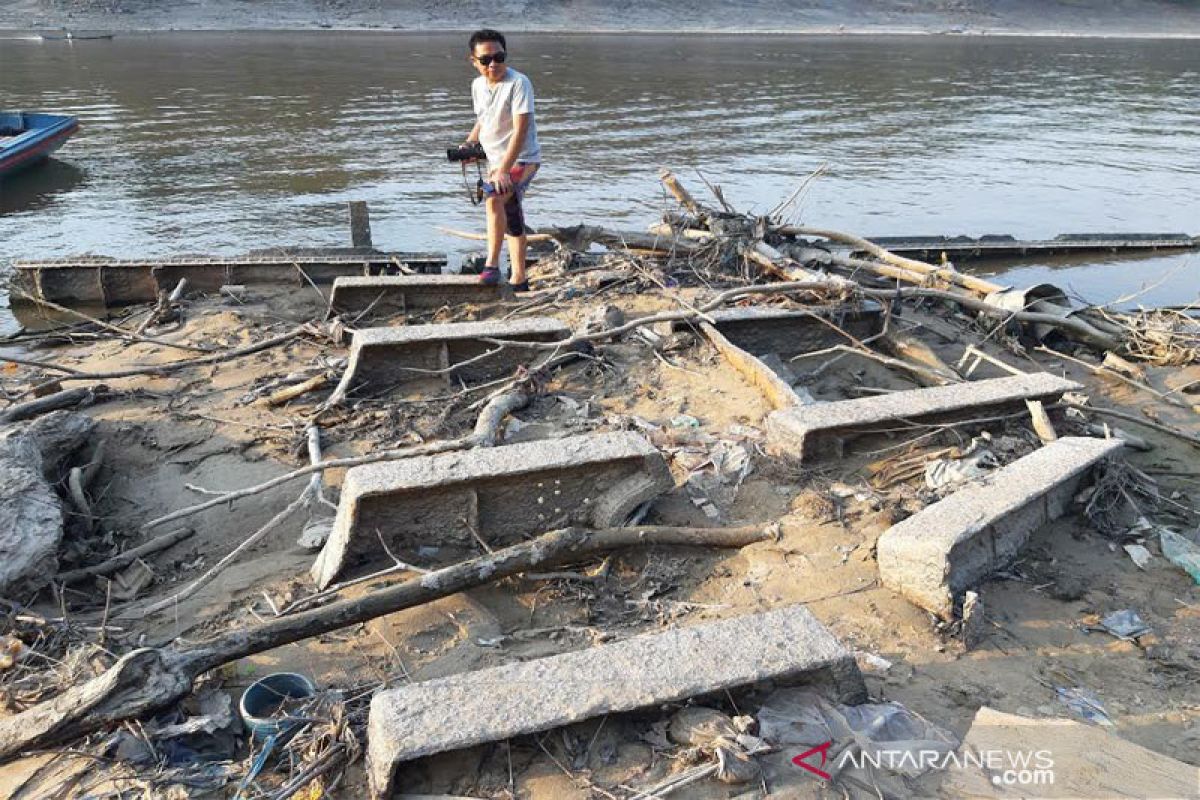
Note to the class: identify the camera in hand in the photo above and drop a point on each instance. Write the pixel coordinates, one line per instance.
(471, 151)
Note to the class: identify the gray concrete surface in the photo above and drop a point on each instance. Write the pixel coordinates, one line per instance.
(937, 554)
(820, 430)
(383, 356)
(426, 508)
(785, 645)
(393, 293)
(788, 332)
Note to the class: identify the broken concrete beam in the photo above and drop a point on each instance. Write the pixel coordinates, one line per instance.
(775, 389)
(97, 282)
(399, 293)
(819, 430)
(937, 554)
(384, 356)
(791, 331)
(434, 507)
(786, 645)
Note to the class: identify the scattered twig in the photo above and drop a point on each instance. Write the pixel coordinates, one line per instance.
(1112, 373)
(122, 332)
(162, 369)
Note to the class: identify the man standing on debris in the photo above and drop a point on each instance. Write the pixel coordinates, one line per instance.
(504, 126)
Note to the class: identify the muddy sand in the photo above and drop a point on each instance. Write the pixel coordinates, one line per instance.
(174, 440)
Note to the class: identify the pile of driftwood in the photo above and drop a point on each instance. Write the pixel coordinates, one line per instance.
(749, 257)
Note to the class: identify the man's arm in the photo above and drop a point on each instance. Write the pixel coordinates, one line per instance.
(473, 136)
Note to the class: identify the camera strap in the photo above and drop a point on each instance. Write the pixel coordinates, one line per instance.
(475, 193)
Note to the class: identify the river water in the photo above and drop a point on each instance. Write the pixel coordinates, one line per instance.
(196, 143)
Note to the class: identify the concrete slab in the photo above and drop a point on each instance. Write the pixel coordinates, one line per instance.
(399, 293)
(935, 555)
(786, 645)
(1069, 760)
(819, 430)
(790, 331)
(430, 509)
(385, 356)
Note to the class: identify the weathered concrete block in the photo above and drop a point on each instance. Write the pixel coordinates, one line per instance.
(396, 293)
(501, 493)
(790, 331)
(406, 353)
(82, 285)
(819, 430)
(934, 556)
(786, 645)
(200, 277)
(125, 284)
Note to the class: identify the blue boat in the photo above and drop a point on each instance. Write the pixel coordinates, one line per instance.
(28, 139)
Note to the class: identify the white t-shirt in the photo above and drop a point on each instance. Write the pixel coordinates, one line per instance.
(496, 108)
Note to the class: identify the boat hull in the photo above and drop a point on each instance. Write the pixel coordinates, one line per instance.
(39, 136)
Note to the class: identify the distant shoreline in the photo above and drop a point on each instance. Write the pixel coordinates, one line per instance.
(34, 34)
(1113, 19)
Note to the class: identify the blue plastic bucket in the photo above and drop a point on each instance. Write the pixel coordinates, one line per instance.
(262, 700)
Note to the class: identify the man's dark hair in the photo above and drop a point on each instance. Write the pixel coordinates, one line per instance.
(486, 35)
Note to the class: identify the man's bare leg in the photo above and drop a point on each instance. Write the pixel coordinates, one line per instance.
(497, 221)
(518, 246)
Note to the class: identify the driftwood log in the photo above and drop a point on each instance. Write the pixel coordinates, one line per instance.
(123, 560)
(68, 398)
(152, 678)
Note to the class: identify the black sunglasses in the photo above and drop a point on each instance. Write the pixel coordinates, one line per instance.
(486, 61)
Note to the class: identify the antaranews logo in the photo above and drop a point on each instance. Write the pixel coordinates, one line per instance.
(823, 749)
(1007, 767)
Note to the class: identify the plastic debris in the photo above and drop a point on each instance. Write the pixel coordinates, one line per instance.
(216, 712)
(685, 421)
(731, 459)
(1140, 555)
(1181, 552)
(801, 719)
(947, 472)
(1124, 624)
(871, 664)
(315, 533)
(1084, 703)
(745, 432)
